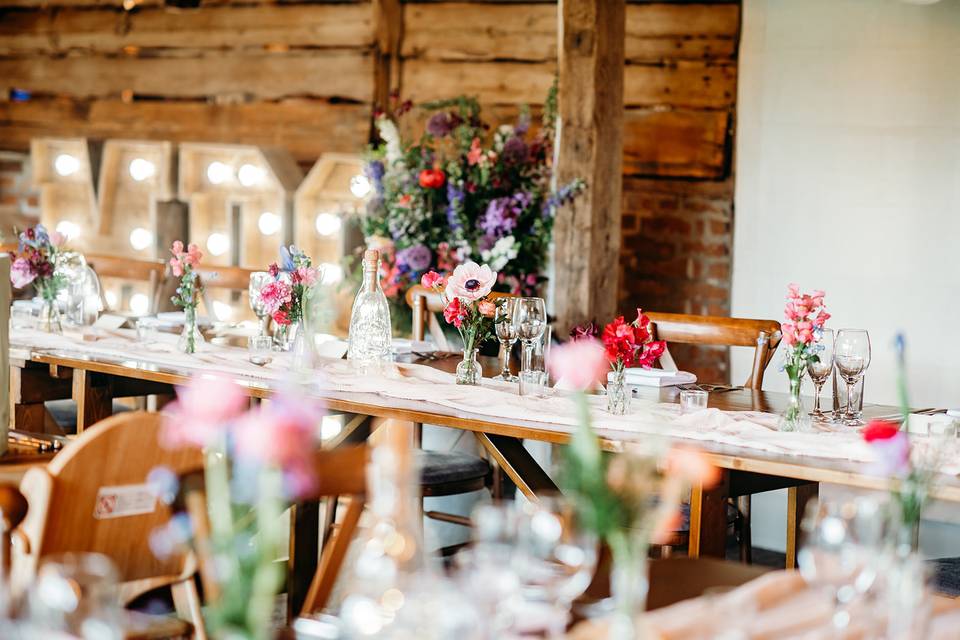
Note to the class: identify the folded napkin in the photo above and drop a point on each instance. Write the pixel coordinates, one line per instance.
(639, 377)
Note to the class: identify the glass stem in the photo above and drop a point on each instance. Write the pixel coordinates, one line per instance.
(264, 321)
(527, 355)
(850, 384)
(504, 359)
(817, 387)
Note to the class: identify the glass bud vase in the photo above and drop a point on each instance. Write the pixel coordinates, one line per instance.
(794, 418)
(629, 584)
(191, 337)
(469, 370)
(49, 320)
(285, 335)
(618, 394)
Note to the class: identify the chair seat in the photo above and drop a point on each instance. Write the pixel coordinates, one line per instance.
(445, 467)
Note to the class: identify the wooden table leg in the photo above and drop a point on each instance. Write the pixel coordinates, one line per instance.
(708, 519)
(797, 499)
(304, 554)
(94, 399)
(518, 464)
(30, 386)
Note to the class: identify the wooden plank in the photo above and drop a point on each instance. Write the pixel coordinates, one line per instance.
(469, 31)
(93, 396)
(262, 75)
(307, 128)
(797, 499)
(109, 31)
(708, 519)
(685, 84)
(590, 143)
(683, 143)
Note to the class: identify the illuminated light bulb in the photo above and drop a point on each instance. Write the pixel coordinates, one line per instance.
(250, 175)
(218, 172)
(140, 238)
(332, 273)
(139, 303)
(269, 223)
(111, 299)
(66, 165)
(327, 224)
(222, 310)
(141, 169)
(360, 185)
(218, 244)
(69, 229)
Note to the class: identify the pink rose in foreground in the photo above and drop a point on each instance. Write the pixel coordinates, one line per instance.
(21, 273)
(432, 280)
(579, 363)
(202, 411)
(471, 281)
(57, 239)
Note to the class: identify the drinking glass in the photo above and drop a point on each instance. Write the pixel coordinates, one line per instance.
(533, 381)
(530, 319)
(693, 400)
(507, 335)
(556, 557)
(76, 594)
(819, 368)
(260, 349)
(851, 354)
(259, 279)
(841, 550)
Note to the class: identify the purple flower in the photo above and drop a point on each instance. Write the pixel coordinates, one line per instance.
(417, 257)
(442, 123)
(455, 200)
(501, 216)
(523, 125)
(514, 151)
(375, 170)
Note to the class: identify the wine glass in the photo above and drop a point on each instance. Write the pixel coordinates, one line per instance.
(841, 550)
(258, 280)
(529, 318)
(556, 557)
(819, 368)
(506, 334)
(851, 354)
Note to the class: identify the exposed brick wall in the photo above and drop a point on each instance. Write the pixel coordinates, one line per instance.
(19, 202)
(676, 257)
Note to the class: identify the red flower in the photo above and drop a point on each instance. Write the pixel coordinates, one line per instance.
(274, 270)
(630, 343)
(404, 200)
(432, 280)
(281, 317)
(880, 430)
(432, 178)
(455, 313)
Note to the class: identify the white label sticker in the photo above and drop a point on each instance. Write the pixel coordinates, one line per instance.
(123, 501)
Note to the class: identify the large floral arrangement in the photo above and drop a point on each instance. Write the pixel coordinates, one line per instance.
(35, 262)
(465, 298)
(293, 276)
(461, 193)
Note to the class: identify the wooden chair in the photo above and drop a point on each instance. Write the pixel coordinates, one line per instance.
(762, 335)
(71, 509)
(340, 473)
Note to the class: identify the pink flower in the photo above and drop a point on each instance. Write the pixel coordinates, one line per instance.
(579, 363)
(281, 317)
(486, 308)
(274, 295)
(306, 275)
(57, 239)
(471, 282)
(22, 273)
(193, 256)
(201, 412)
(432, 280)
(455, 312)
(691, 466)
(176, 267)
(177, 248)
(475, 153)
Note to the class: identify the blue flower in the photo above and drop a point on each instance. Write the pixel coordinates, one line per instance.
(286, 259)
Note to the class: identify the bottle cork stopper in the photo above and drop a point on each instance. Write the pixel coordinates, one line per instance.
(371, 255)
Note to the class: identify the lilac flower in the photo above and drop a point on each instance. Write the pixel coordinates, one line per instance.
(564, 195)
(375, 170)
(455, 200)
(523, 125)
(442, 123)
(514, 151)
(417, 257)
(501, 216)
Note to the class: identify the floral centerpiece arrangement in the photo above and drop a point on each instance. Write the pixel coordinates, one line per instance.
(468, 308)
(461, 193)
(804, 317)
(184, 265)
(283, 298)
(625, 345)
(256, 463)
(630, 499)
(35, 262)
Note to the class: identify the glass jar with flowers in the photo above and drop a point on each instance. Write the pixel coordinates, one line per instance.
(630, 499)
(283, 298)
(468, 308)
(183, 265)
(805, 315)
(626, 344)
(35, 262)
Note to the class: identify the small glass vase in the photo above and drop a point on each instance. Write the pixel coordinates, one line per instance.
(469, 370)
(190, 337)
(794, 418)
(629, 584)
(50, 320)
(285, 335)
(618, 394)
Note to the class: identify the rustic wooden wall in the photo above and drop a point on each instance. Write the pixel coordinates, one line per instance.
(306, 75)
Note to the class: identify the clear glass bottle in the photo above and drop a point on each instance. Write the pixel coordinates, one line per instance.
(370, 340)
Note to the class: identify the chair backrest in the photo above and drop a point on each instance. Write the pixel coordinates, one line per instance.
(762, 335)
(94, 497)
(426, 303)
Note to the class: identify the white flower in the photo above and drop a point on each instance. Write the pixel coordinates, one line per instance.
(501, 253)
(388, 131)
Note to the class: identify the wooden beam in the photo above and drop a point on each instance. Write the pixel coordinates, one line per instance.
(388, 22)
(590, 147)
(192, 75)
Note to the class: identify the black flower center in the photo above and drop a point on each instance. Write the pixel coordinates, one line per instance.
(472, 285)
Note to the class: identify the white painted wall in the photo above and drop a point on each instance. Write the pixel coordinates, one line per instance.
(848, 180)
